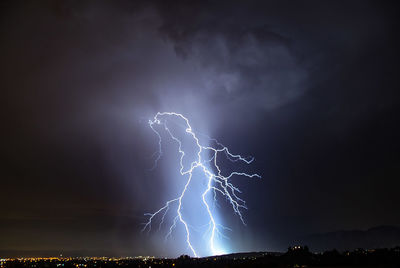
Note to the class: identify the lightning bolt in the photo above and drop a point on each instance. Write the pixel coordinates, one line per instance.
(216, 182)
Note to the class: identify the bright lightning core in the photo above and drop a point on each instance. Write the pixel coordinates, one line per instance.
(203, 162)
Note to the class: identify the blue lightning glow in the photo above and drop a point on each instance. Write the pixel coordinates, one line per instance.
(216, 182)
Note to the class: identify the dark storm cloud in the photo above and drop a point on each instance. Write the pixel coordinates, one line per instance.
(244, 61)
(309, 88)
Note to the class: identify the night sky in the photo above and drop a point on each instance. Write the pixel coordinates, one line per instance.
(309, 88)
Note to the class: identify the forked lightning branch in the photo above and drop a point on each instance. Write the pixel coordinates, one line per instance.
(209, 168)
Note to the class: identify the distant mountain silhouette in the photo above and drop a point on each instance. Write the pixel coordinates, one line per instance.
(377, 237)
(241, 255)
